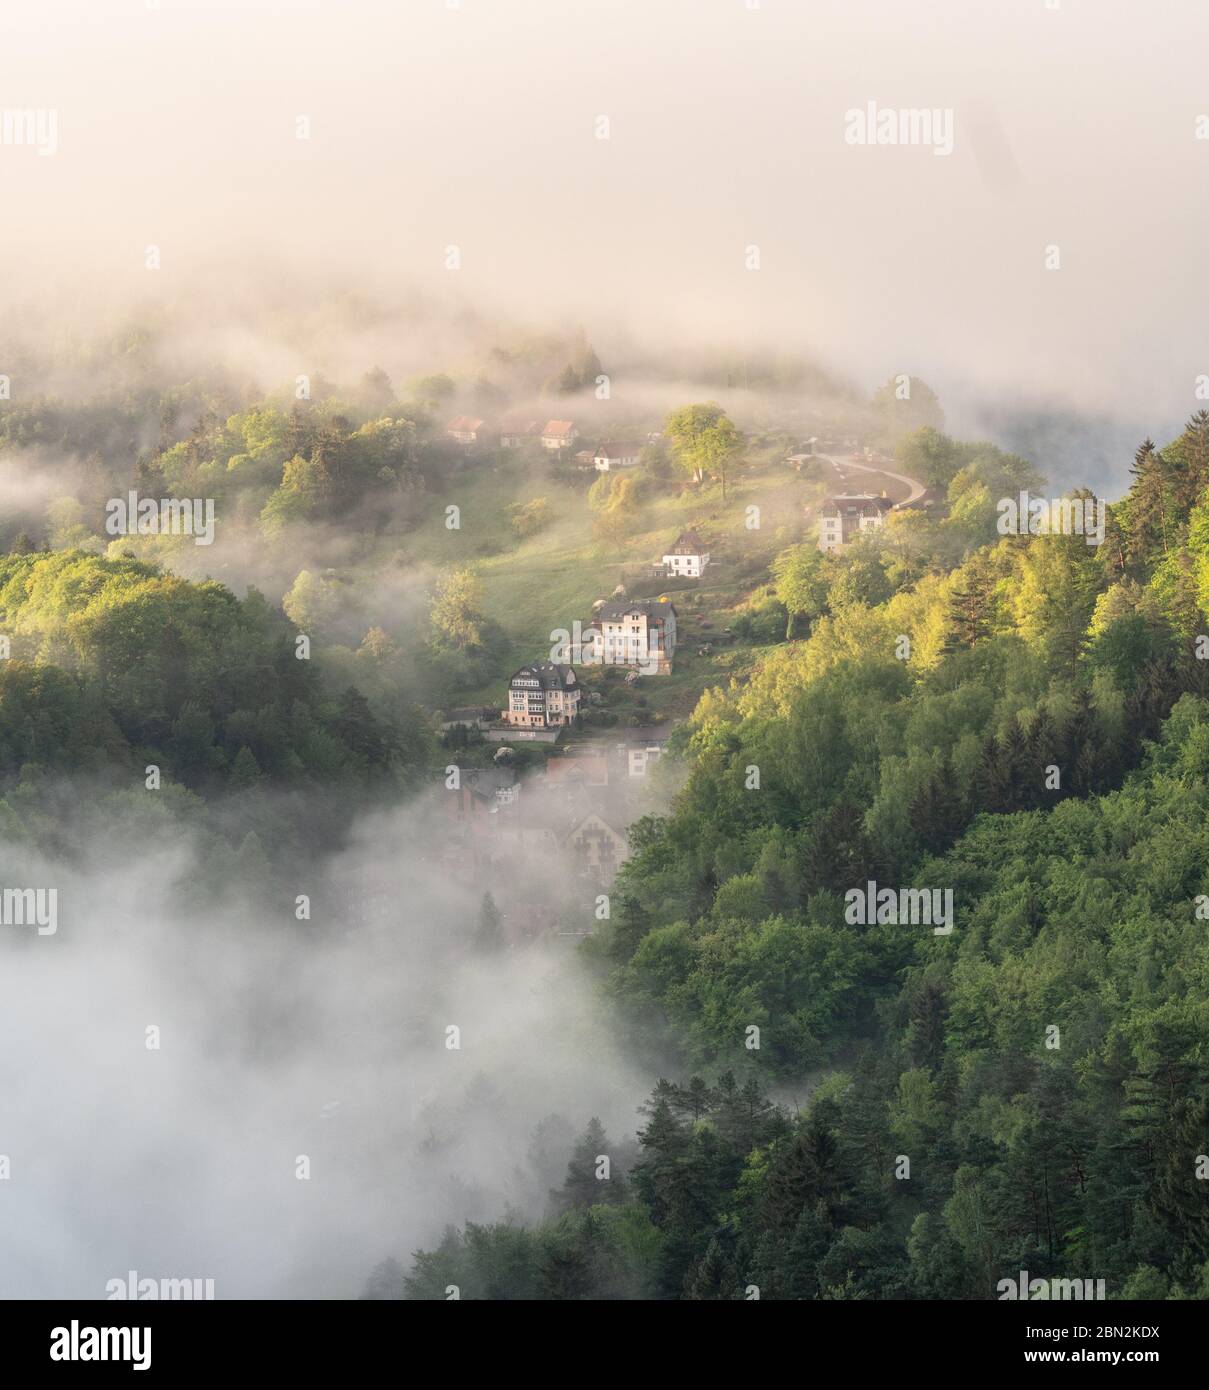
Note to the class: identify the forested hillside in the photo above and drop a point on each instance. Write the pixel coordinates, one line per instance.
(1030, 1092)
(862, 1109)
(126, 676)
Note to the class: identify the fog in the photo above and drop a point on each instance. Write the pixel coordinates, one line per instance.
(278, 1039)
(474, 126)
(451, 195)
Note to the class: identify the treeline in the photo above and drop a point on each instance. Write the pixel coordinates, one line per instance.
(114, 665)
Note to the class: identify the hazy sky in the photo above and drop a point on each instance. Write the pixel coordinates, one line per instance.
(475, 126)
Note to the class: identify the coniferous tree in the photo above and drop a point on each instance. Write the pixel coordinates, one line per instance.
(489, 934)
(387, 1282)
(839, 855)
(582, 1186)
(1150, 523)
(1195, 443)
(939, 811)
(694, 1100)
(970, 609)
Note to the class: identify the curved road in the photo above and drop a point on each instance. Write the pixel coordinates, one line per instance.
(915, 489)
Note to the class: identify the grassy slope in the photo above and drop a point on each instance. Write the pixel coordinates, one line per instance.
(551, 579)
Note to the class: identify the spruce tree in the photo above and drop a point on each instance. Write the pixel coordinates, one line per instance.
(489, 933)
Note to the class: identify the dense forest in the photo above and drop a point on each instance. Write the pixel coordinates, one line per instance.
(860, 1111)
(880, 1111)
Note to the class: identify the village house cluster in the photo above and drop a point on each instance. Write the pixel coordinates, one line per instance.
(555, 436)
(512, 432)
(578, 808)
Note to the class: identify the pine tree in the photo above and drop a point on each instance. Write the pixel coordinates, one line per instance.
(489, 933)
(589, 367)
(1042, 752)
(1148, 506)
(838, 853)
(245, 771)
(994, 783)
(1195, 444)
(969, 612)
(387, 1282)
(695, 1099)
(565, 1273)
(582, 1187)
(928, 1010)
(360, 729)
(656, 1176)
(711, 1277)
(939, 811)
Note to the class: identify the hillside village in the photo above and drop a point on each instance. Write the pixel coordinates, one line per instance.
(560, 752)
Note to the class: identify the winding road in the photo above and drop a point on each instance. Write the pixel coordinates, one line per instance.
(843, 467)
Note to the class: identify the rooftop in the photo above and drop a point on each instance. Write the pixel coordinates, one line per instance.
(857, 504)
(688, 543)
(650, 608)
(550, 674)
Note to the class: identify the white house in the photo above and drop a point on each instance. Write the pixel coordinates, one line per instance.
(639, 633)
(636, 750)
(841, 518)
(688, 556)
(559, 434)
(612, 454)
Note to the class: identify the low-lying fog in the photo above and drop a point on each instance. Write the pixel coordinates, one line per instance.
(180, 1161)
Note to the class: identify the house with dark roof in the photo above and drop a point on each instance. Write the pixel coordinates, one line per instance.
(542, 695)
(638, 747)
(613, 454)
(640, 633)
(841, 518)
(688, 556)
(475, 793)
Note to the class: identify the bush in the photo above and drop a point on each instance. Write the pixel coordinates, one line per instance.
(762, 625)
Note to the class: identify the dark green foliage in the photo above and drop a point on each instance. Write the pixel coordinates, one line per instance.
(116, 662)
